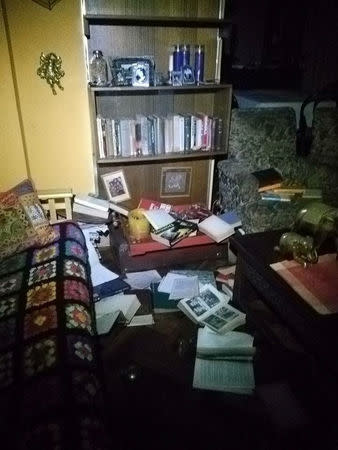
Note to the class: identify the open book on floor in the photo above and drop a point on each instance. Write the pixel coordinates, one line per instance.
(211, 308)
(116, 308)
(224, 362)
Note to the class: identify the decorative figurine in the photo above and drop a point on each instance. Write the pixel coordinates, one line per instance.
(50, 70)
(314, 224)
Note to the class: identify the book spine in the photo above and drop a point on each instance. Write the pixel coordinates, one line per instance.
(187, 132)
(117, 128)
(99, 137)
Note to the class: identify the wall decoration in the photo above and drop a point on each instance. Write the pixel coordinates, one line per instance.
(47, 3)
(50, 70)
(176, 181)
(116, 186)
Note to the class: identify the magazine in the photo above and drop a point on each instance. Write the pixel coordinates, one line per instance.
(211, 308)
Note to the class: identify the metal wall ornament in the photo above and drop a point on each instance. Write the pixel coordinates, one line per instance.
(50, 70)
(49, 4)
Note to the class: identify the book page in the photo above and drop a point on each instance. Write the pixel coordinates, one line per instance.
(166, 284)
(233, 343)
(227, 376)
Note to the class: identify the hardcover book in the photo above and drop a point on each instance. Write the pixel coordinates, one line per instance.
(211, 308)
(268, 179)
(174, 232)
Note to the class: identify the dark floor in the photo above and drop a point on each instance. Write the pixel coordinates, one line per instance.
(150, 396)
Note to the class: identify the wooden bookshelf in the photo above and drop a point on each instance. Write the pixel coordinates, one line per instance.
(134, 28)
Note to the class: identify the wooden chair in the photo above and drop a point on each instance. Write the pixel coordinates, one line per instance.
(54, 200)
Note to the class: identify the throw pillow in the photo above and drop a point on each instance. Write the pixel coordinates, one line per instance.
(16, 232)
(34, 211)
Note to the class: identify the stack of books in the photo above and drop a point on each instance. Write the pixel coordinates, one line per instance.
(91, 206)
(155, 135)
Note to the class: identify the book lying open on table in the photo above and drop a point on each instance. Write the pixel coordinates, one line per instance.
(211, 308)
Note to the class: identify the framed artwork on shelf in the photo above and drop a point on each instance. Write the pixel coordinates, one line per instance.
(176, 181)
(116, 186)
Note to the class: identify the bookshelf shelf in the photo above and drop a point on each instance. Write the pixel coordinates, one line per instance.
(130, 90)
(133, 28)
(152, 21)
(167, 157)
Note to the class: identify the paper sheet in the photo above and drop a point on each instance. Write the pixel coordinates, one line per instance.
(143, 280)
(184, 288)
(99, 273)
(166, 284)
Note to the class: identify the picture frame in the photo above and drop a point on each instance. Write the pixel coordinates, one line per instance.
(176, 181)
(116, 186)
(177, 78)
(188, 76)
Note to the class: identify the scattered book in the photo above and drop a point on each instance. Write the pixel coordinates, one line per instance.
(158, 218)
(92, 202)
(174, 232)
(216, 228)
(268, 179)
(226, 275)
(224, 363)
(204, 276)
(233, 345)
(149, 204)
(144, 315)
(117, 308)
(109, 288)
(272, 196)
(211, 308)
(161, 302)
(299, 192)
(90, 211)
(231, 218)
(119, 209)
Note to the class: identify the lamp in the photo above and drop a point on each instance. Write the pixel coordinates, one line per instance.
(47, 3)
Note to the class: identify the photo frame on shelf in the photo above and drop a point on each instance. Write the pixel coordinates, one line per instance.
(176, 181)
(177, 78)
(188, 75)
(116, 186)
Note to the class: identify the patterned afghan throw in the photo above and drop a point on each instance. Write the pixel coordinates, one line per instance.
(50, 377)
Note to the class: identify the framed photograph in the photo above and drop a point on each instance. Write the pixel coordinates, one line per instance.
(176, 181)
(116, 186)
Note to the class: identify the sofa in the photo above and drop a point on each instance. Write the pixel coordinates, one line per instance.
(266, 137)
(51, 380)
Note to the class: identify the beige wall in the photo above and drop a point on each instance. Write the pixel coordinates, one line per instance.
(12, 158)
(56, 128)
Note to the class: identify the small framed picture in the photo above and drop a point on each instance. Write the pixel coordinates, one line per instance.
(116, 186)
(177, 78)
(188, 75)
(176, 181)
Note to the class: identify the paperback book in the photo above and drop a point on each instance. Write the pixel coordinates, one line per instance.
(216, 228)
(211, 308)
(174, 232)
(268, 179)
(224, 363)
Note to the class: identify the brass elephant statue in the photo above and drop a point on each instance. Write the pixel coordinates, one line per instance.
(313, 225)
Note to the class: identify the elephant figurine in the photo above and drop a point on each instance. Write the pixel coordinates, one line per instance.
(313, 225)
(300, 247)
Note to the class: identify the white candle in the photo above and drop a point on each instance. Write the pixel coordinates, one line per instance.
(171, 62)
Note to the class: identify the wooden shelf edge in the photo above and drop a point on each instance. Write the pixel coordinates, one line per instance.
(188, 22)
(125, 90)
(162, 157)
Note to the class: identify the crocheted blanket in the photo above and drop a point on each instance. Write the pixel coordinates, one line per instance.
(50, 377)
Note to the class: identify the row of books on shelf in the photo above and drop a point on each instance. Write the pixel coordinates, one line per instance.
(158, 135)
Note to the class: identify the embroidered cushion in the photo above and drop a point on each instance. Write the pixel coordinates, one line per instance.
(16, 231)
(34, 212)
